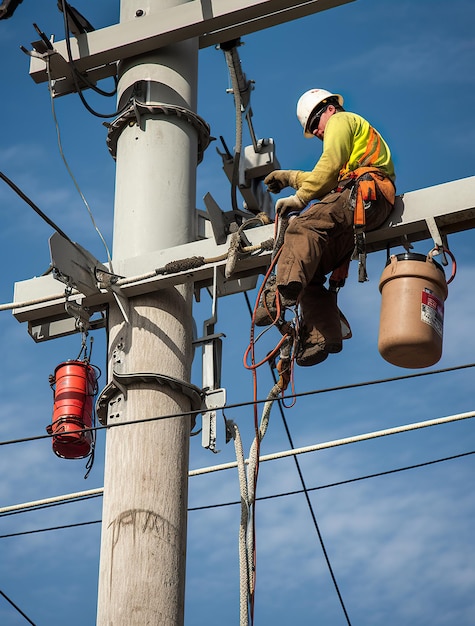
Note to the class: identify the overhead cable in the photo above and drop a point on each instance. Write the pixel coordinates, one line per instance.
(73, 178)
(78, 25)
(307, 497)
(232, 62)
(17, 608)
(76, 76)
(29, 507)
(434, 422)
(82, 495)
(44, 530)
(35, 208)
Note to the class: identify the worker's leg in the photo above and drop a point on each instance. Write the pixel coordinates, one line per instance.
(321, 324)
(307, 238)
(320, 332)
(319, 239)
(315, 243)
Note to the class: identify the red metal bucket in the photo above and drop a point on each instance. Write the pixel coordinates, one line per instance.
(75, 388)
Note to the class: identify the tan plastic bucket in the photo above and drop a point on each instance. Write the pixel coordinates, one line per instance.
(413, 291)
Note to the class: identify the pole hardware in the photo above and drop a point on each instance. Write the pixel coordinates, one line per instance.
(211, 359)
(253, 167)
(132, 116)
(214, 399)
(75, 266)
(204, 401)
(223, 223)
(79, 269)
(81, 314)
(120, 382)
(43, 46)
(440, 241)
(246, 168)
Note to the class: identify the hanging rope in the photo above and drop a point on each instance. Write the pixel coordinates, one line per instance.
(248, 482)
(247, 487)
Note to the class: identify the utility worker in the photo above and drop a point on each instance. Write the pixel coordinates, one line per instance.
(353, 183)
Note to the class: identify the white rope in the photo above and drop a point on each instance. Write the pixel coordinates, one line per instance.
(268, 457)
(243, 557)
(247, 488)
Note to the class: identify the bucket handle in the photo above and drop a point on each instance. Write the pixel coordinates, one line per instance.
(438, 250)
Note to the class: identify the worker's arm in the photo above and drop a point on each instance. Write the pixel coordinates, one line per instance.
(337, 147)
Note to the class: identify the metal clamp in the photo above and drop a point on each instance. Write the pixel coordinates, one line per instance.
(132, 115)
(120, 382)
(81, 314)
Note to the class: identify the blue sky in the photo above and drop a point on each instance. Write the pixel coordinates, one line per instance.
(401, 546)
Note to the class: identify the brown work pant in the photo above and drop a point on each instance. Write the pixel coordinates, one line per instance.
(315, 243)
(321, 238)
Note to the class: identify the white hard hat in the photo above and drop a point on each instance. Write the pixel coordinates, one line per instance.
(309, 101)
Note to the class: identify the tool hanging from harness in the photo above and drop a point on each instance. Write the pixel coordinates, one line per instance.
(365, 183)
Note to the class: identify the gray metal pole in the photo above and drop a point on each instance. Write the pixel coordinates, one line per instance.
(143, 545)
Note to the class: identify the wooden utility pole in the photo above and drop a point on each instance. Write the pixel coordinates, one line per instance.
(142, 562)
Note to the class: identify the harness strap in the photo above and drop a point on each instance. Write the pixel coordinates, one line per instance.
(367, 181)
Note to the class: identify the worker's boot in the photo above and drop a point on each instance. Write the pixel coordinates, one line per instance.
(321, 331)
(266, 312)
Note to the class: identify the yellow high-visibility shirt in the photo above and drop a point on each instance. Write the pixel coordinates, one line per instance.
(349, 142)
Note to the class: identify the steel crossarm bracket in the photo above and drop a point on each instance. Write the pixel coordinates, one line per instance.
(451, 205)
(212, 21)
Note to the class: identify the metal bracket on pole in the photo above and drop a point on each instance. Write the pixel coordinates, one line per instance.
(223, 223)
(78, 268)
(215, 396)
(120, 382)
(81, 314)
(136, 109)
(439, 242)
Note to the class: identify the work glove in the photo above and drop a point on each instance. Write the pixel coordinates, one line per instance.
(292, 204)
(278, 180)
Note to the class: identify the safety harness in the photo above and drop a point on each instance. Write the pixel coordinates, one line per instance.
(365, 183)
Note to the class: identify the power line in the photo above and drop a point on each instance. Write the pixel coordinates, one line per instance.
(250, 403)
(66, 164)
(39, 505)
(307, 497)
(35, 208)
(76, 76)
(340, 482)
(285, 494)
(17, 608)
(44, 530)
(341, 442)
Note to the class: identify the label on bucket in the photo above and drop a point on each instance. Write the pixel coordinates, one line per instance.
(432, 310)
